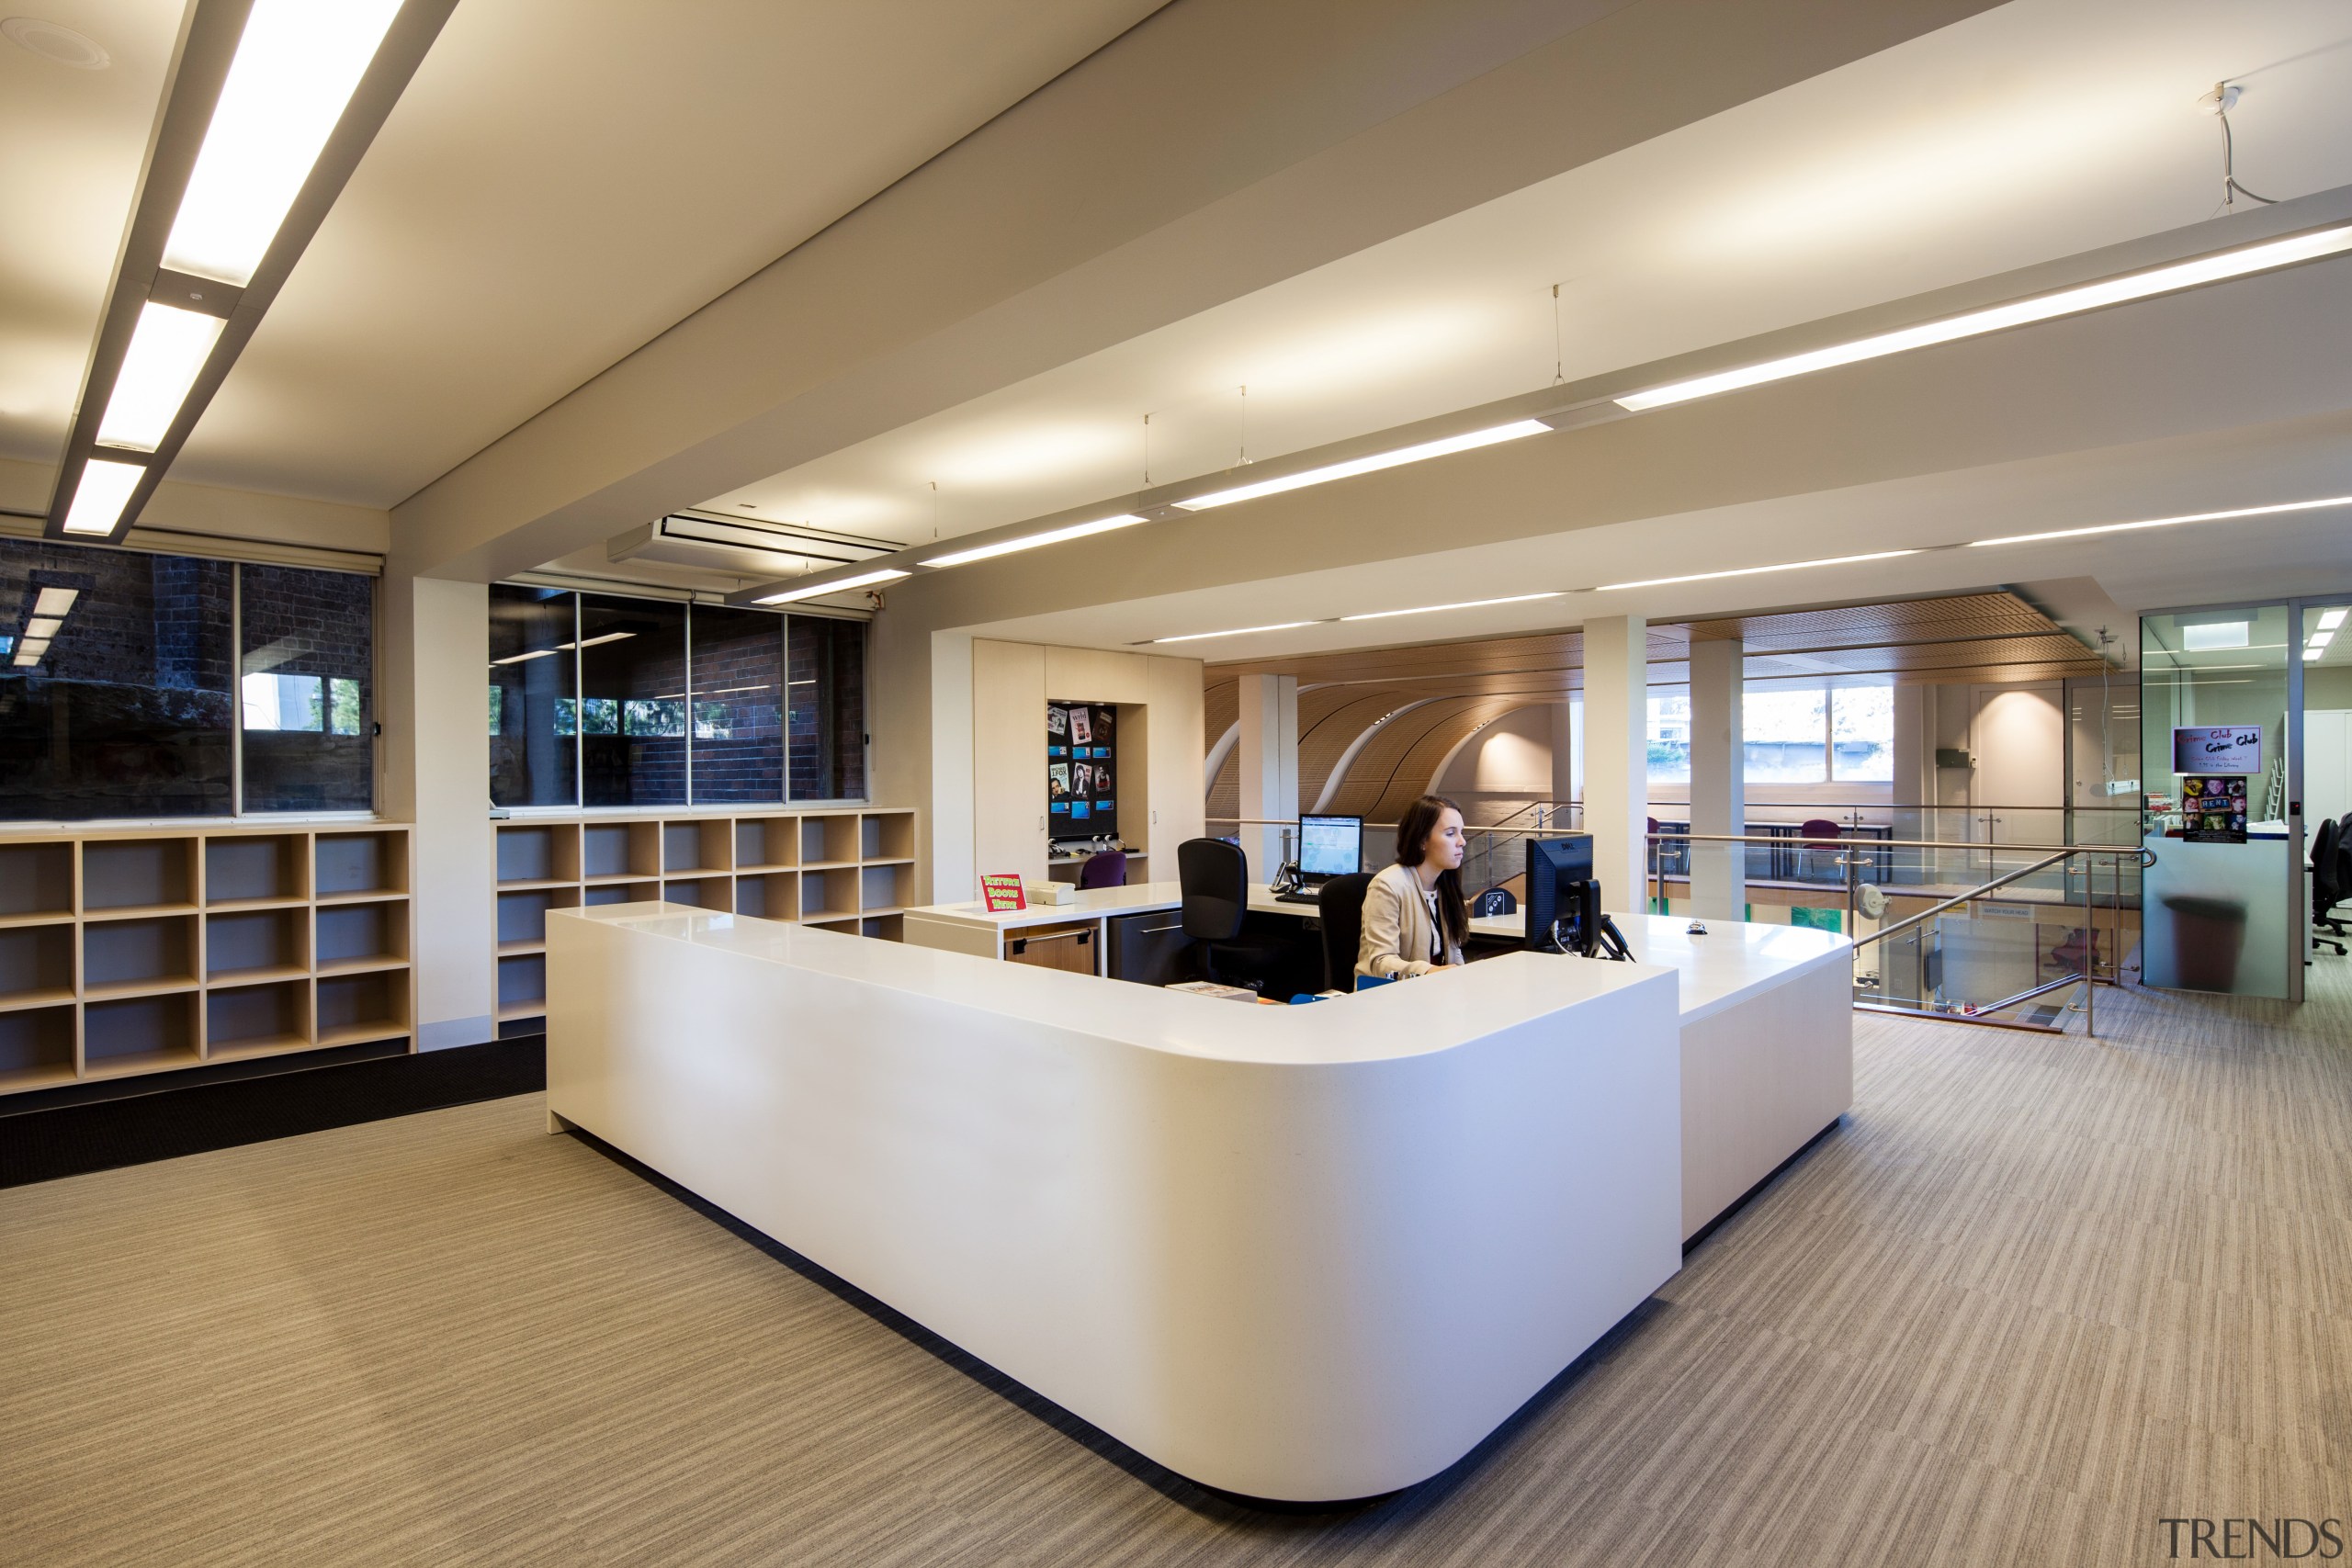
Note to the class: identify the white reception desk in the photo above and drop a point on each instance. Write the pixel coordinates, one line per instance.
(1306, 1253)
(1767, 1020)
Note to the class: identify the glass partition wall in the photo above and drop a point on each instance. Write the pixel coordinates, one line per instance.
(2219, 694)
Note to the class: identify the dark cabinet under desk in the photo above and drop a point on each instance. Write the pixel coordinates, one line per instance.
(1151, 949)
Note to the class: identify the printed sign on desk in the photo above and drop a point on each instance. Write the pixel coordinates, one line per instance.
(1001, 890)
(2213, 809)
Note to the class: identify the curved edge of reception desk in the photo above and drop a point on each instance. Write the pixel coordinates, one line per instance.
(1310, 1253)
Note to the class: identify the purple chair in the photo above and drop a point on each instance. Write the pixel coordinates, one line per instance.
(1817, 833)
(1108, 869)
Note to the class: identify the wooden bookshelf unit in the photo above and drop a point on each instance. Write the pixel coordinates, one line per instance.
(143, 950)
(849, 868)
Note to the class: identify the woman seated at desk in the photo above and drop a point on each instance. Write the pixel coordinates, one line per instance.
(1414, 914)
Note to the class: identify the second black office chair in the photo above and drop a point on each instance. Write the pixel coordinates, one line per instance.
(2329, 859)
(1339, 905)
(1215, 878)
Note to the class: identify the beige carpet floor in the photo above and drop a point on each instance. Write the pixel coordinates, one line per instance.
(2038, 1295)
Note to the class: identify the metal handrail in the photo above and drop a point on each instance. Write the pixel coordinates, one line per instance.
(1935, 910)
(1978, 847)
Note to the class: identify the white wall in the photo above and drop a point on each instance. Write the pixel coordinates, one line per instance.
(432, 767)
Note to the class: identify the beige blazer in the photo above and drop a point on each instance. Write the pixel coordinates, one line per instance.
(1397, 927)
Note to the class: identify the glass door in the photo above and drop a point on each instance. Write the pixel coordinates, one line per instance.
(2326, 788)
(2222, 902)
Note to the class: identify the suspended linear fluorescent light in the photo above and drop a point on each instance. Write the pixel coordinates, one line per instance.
(43, 627)
(2065, 302)
(1031, 541)
(2284, 506)
(1464, 604)
(1237, 631)
(1756, 570)
(590, 642)
(297, 65)
(525, 657)
(57, 600)
(167, 349)
(105, 491)
(1372, 464)
(841, 585)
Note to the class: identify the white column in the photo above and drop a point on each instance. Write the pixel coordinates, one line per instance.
(1718, 779)
(1616, 763)
(434, 763)
(1564, 754)
(1268, 749)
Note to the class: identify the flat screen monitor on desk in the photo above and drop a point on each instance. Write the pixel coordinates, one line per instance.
(1329, 846)
(1563, 901)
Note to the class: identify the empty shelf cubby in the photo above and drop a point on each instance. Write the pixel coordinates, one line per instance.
(765, 842)
(137, 873)
(829, 841)
(256, 942)
(36, 880)
(824, 893)
(36, 965)
(620, 848)
(885, 928)
(362, 936)
(885, 886)
(36, 1046)
(352, 1008)
(138, 1034)
(151, 952)
(351, 866)
(702, 891)
(886, 835)
(522, 985)
(243, 1020)
(254, 868)
(698, 846)
(774, 897)
(523, 917)
(538, 851)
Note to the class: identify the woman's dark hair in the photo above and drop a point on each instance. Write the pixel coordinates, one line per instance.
(1412, 841)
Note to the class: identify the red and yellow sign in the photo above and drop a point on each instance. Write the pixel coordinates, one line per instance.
(1001, 891)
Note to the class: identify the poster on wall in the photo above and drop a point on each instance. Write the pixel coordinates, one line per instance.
(2213, 808)
(2235, 748)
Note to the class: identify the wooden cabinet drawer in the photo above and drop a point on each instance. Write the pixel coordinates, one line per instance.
(1069, 946)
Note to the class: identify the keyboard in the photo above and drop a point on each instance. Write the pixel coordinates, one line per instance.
(1300, 896)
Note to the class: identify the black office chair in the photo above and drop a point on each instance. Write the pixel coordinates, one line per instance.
(1215, 879)
(2331, 868)
(1339, 905)
(1498, 900)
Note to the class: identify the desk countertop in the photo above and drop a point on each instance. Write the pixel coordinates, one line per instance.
(1735, 958)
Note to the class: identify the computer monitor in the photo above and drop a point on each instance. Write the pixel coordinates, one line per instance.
(1560, 888)
(1331, 846)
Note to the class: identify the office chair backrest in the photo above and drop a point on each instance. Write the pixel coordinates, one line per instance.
(1820, 830)
(1108, 869)
(1215, 877)
(2328, 868)
(1497, 900)
(1339, 904)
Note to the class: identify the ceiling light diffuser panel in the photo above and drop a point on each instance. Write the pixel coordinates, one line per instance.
(297, 65)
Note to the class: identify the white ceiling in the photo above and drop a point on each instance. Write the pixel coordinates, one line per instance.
(71, 143)
(2036, 130)
(562, 180)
